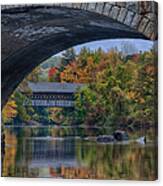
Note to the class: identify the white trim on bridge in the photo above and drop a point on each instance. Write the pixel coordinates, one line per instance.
(50, 103)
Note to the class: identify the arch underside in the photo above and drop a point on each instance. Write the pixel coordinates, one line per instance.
(74, 27)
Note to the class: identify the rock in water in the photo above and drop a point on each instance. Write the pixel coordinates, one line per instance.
(141, 140)
(120, 135)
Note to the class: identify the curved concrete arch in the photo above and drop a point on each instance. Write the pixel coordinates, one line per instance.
(32, 34)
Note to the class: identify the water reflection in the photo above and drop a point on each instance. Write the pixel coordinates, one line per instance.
(30, 155)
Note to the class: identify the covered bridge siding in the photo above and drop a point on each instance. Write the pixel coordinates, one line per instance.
(52, 94)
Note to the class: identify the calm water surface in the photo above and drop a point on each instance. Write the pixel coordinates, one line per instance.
(60, 153)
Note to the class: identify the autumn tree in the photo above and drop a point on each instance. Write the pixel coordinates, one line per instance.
(9, 111)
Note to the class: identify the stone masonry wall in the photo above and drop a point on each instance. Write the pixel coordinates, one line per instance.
(140, 15)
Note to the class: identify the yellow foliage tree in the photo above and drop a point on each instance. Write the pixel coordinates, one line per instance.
(9, 111)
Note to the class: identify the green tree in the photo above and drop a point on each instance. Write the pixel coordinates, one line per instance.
(67, 57)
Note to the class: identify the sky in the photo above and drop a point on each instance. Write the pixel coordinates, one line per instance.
(139, 44)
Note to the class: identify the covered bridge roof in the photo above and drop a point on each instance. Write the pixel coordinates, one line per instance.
(51, 87)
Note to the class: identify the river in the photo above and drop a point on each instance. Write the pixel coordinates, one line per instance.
(61, 153)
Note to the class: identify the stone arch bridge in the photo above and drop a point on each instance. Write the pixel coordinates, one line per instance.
(32, 33)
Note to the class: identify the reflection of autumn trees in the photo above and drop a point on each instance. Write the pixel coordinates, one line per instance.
(119, 161)
(12, 165)
(113, 162)
(100, 161)
(10, 154)
(77, 173)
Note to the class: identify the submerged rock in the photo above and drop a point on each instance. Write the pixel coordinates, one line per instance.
(90, 138)
(105, 138)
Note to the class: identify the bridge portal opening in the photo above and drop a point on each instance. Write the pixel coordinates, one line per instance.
(83, 83)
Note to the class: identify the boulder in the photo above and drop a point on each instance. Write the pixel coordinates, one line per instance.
(142, 140)
(120, 135)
